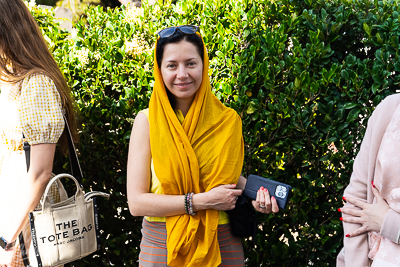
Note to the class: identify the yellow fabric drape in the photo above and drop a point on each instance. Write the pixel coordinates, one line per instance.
(203, 152)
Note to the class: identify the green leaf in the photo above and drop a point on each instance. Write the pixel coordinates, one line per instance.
(374, 88)
(251, 108)
(353, 115)
(323, 14)
(127, 135)
(322, 108)
(378, 79)
(367, 29)
(230, 45)
(299, 67)
(379, 38)
(345, 75)
(220, 54)
(220, 29)
(350, 105)
(297, 83)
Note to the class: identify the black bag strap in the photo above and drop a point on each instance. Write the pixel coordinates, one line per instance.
(73, 157)
(27, 149)
(23, 249)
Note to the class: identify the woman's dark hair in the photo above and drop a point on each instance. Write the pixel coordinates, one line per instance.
(178, 36)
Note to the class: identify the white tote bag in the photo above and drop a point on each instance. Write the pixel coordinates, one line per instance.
(65, 231)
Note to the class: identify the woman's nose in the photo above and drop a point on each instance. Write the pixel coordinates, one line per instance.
(182, 72)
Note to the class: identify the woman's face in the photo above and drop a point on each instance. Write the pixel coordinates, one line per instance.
(182, 70)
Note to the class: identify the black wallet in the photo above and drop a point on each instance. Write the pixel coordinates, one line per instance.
(280, 191)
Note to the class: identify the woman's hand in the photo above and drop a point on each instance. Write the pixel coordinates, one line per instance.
(264, 203)
(223, 197)
(6, 257)
(370, 216)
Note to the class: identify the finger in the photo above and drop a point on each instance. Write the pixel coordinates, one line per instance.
(256, 203)
(267, 197)
(376, 193)
(258, 197)
(358, 231)
(275, 207)
(237, 192)
(352, 212)
(229, 186)
(262, 198)
(352, 219)
(356, 202)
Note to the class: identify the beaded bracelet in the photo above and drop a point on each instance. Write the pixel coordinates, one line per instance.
(190, 208)
(189, 204)
(186, 203)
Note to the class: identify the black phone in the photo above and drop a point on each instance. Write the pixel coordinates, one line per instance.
(280, 191)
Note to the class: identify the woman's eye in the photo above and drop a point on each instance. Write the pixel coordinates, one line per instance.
(170, 66)
(192, 63)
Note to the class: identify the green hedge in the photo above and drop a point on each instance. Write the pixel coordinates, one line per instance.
(303, 75)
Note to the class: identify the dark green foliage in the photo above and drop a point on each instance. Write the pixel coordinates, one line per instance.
(46, 2)
(303, 75)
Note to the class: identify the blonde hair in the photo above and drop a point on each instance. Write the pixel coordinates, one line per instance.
(24, 52)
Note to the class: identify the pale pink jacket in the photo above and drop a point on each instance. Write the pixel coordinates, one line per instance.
(369, 165)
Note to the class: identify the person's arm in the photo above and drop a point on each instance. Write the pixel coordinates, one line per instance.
(39, 174)
(143, 203)
(356, 246)
(391, 227)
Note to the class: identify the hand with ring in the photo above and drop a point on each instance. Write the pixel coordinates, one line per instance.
(264, 203)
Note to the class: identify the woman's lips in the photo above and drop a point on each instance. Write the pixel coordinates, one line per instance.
(183, 85)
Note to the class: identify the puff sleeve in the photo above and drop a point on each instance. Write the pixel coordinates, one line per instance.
(40, 110)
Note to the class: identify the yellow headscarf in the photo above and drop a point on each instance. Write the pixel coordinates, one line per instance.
(203, 152)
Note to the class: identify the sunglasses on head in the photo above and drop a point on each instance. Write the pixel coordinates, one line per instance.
(186, 29)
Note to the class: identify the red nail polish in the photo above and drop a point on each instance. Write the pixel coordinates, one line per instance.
(272, 198)
(372, 182)
(339, 210)
(344, 198)
(262, 187)
(347, 235)
(341, 218)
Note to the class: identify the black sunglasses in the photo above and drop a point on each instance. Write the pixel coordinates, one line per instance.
(186, 29)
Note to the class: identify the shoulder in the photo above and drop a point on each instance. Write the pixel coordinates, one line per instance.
(39, 80)
(390, 102)
(39, 84)
(386, 108)
(140, 135)
(230, 119)
(226, 113)
(231, 114)
(34, 85)
(141, 122)
(144, 112)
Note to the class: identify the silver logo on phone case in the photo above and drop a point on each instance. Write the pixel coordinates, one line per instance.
(280, 191)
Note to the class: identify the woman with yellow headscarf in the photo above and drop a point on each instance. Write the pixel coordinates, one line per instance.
(185, 159)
